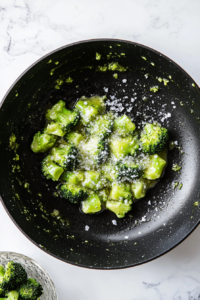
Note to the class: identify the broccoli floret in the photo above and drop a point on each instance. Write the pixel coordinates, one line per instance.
(74, 138)
(75, 177)
(91, 205)
(155, 167)
(120, 208)
(31, 290)
(123, 126)
(94, 180)
(96, 150)
(58, 113)
(139, 188)
(13, 295)
(65, 156)
(103, 195)
(42, 142)
(120, 191)
(56, 129)
(102, 126)
(89, 108)
(51, 170)
(73, 193)
(123, 146)
(109, 172)
(2, 272)
(14, 276)
(128, 171)
(153, 138)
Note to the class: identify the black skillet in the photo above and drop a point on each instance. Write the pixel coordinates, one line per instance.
(157, 223)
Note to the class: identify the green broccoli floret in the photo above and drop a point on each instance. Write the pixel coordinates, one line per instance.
(109, 172)
(75, 177)
(94, 180)
(96, 150)
(73, 193)
(91, 205)
(56, 129)
(42, 142)
(153, 138)
(120, 208)
(31, 290)
(65, 156)
(51, 170)
(123, 146)
(103, 195)
(120, 191)
(102, 126)
(139, 188)
(128, 171)
(155, 167)
(74, 138)
(13, 295)
(123, 126)
(14, 276)
(58, 113)
(89, 108)
(2, 272)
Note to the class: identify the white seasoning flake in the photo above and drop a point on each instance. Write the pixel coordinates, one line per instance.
(124, 80)
(126, 237)
(114, 222)
(87, 227)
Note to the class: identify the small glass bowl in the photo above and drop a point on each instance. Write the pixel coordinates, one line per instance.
(34, 270)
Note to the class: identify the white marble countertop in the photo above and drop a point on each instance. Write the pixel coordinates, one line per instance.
(30, 29)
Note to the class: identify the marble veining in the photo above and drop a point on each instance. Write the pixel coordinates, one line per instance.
(30, 29)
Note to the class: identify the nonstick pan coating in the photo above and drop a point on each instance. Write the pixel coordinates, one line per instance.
(157, 223)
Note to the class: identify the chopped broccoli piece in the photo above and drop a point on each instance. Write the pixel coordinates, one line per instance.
(56, 129)
(75, 177)
(96, 150)
(94, 180)
(153, 138)
(91, 205)
(123, 126)
(103, 195)
(89, 108)
(128, 171)
(2, 272)
(14, 276)
(120, 191)
(73, 193)
(13, 295)
(31, 290)
(42, 142)
(50, 170)
(102, 126)
(120, 208)
(65, 156)
(139, 188)
(109, 171)
(58, 113)
(155, 167)
(122, 146)
(74, 138)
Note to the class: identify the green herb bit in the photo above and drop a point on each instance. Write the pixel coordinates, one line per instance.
(165, 81)
(69, 80)
(176, 184)
(98, 56)
(143, 57)
(154, 89)
(176, 167)
(180, 186)
(115, 75)
(196, 203)
(193, 85)
(159, 79)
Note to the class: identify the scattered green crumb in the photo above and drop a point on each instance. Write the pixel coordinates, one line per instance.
(115, 75)
(40, 195)
(55, 213)
(16, 157)
(196, 203)
(50, 61)
(77, 86)
(69, 80)
(175, 184)
(102, 68)
(180, 186)
(98, 56)
(171, 145)
(122, 53)
(52, 71)
(165, 81)
(154, 88)
(193, 85)
(107, 250)
(110, 46)
(17, 196)
(159, 79)
(176, 167)
(181, 103)
(26, 185)
(116, 67)
(118, 45)
(57, 62)
(12, 142)
(192, 111)
(181, 151)
(135, 243)
(16, 95)
(170, 77)
(109, 55)
(143, 57)
(152, 63)
(59, 81)
(144, 98)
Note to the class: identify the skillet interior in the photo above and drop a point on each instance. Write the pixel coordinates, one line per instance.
(149, 230)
